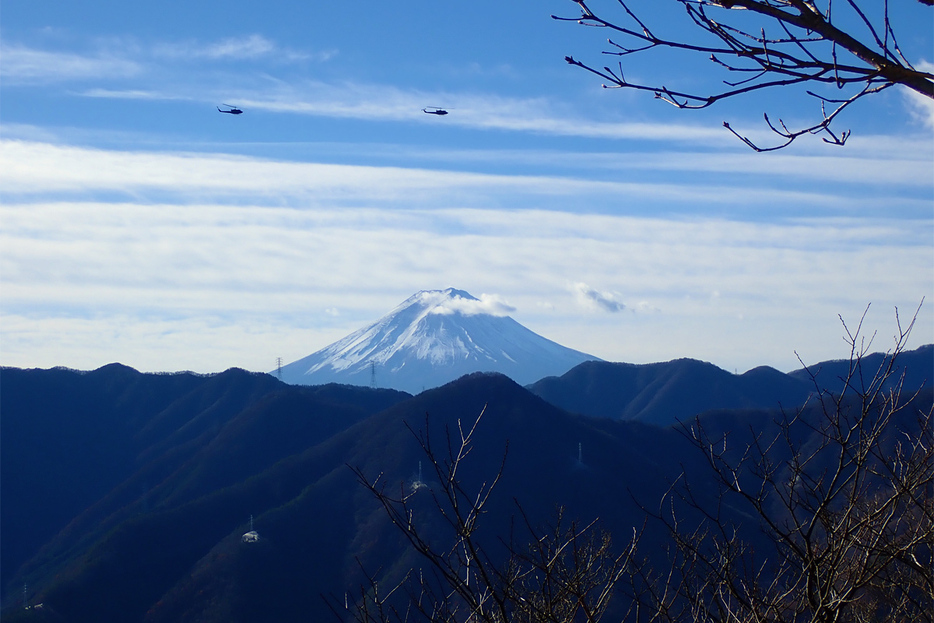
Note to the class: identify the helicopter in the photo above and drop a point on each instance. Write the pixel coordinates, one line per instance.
(434, 110)
(233, 110)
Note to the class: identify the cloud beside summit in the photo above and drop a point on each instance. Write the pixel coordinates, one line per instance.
(589, 297)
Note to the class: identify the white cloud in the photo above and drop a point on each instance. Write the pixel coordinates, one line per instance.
(22, 64)
(122, 59)
(911, 166)
(346, 99)
(248, 47)
(380, 102)
(483, 111)
(920, 106)
(29, 168)
(594, 299)
(485, 304)
(241, 285)
(131, 94)
(211, 246)
(898, 163)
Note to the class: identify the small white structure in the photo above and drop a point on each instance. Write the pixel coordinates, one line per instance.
(252, 536)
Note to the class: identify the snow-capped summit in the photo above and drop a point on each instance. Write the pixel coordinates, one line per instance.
(434, 337)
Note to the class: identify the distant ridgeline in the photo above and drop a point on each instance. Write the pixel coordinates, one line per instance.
(663, 393)
(227, 497)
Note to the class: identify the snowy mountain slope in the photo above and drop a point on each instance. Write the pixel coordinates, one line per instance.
(432, 338)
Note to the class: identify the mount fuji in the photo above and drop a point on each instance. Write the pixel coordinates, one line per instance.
(432, 338)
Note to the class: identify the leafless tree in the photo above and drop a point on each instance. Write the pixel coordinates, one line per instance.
(825, 515)
(843, 501)
(850, 45)
(565, 573)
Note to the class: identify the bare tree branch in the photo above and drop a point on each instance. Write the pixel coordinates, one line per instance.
(843, 495)
(803, 52)
(565, 573)
(826, 514)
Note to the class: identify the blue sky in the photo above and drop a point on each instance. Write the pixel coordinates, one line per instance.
(139, 225)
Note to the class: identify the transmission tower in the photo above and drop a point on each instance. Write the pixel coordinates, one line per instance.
(279, 367)
(373, 374)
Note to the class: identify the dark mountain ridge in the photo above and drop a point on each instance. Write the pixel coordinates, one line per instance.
(183, 560)
(191, 458)
(663, 393)
(79, 446)
(668, 392)
(913, 368)
(72, 436)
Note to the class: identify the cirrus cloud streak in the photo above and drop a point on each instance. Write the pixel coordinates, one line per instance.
(31, 170)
